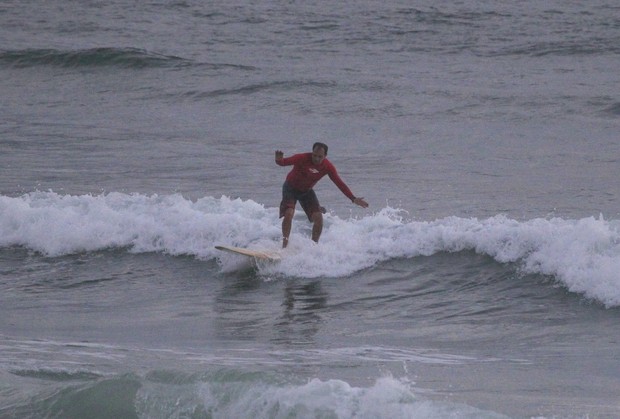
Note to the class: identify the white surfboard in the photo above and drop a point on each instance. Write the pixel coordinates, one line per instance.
(256, 254)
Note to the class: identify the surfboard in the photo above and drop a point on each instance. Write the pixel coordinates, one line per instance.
(256, 254)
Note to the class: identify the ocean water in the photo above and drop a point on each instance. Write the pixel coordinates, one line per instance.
(482, 282)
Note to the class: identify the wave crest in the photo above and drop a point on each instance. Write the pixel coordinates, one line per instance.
(94, 57)
(584, 255)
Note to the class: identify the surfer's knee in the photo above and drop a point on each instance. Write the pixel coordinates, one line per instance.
(289, 213)
(317, 217)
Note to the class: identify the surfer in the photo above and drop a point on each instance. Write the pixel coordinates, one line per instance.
(308, 169)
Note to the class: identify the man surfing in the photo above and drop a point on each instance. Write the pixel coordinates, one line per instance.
(308, 169)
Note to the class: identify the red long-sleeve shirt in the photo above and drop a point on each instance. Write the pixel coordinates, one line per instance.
(306, 174)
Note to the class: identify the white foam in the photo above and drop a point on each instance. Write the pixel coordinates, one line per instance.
(386, 398)
(582, 254)
(63, 224)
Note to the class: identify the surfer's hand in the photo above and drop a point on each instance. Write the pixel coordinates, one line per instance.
(360, 202)
(279, 155)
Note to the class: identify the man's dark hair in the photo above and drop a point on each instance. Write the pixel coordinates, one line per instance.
(321, 145)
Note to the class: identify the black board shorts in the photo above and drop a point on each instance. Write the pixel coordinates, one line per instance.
(308, 200)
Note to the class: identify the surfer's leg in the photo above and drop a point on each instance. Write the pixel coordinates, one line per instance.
(317, 225)
(310, 203)
(287, 222)
(287, 211)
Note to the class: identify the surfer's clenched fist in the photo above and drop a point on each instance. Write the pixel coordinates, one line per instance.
(279, 155)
